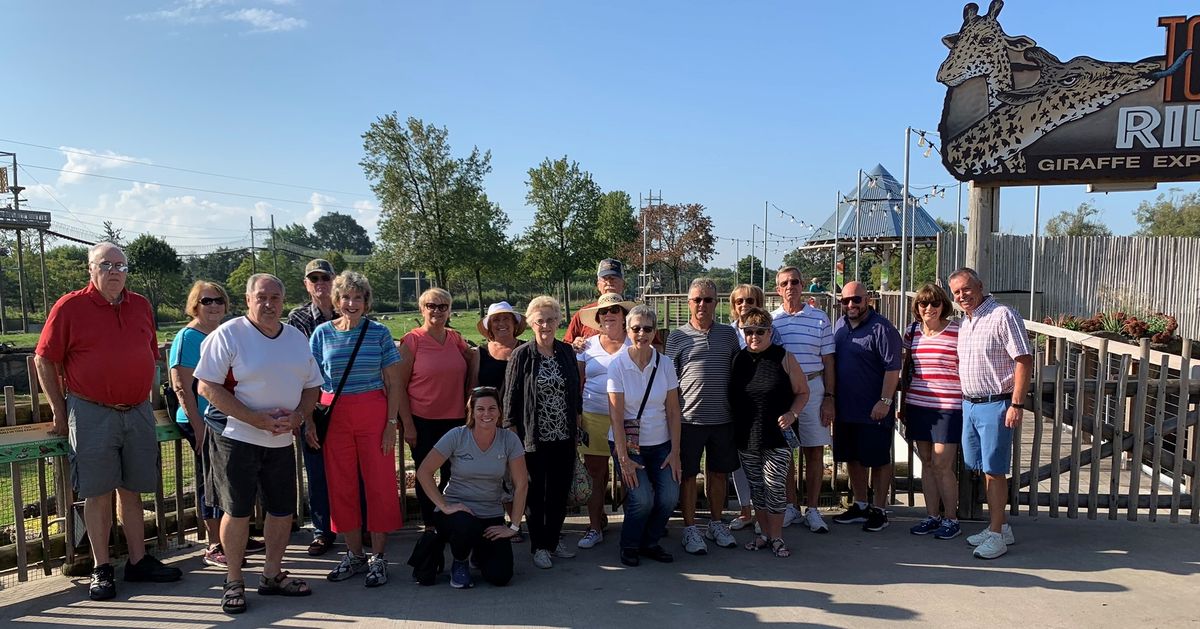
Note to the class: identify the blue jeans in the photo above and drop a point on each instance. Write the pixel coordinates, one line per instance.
(648, 507)
(318, 492)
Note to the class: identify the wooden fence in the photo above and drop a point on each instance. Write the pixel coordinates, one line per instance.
(1080, 275)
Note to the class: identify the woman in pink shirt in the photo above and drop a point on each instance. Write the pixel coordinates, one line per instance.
(434, 363)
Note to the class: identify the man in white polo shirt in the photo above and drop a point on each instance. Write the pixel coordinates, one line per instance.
(262, 375)
(806, 332)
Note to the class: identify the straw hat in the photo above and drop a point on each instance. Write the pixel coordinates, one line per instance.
(502, 307)
(587, 316)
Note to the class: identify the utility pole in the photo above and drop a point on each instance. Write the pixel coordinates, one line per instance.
(274, 254)
(253, 260)
(766, 205)
(253, 250)
(45, 289)
(16, 205)
(644, 204)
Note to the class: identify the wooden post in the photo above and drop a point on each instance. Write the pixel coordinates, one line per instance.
(1181, 412)
(1137, 425)
(10, 419)
(1099, 408)
(1160, 412)
(1060, 403)
(1035, 455)
(1077, 433)
(178, 446)
(983, 210)
(1120, 403)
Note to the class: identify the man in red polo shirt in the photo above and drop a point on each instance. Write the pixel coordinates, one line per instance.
(100, 342)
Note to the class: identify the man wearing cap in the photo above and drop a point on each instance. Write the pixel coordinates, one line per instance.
(995, 363)
(318, 280)
(702, 353)
(100, 341)
(610, 278)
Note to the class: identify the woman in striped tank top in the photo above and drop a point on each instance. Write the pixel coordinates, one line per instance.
(932, 407)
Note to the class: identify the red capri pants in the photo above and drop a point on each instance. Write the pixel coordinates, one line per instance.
(353, 445)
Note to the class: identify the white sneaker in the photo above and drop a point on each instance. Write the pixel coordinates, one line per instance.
(740, 523)
(541, 559)
(563, 551)
(719, 533)
(693, 542)
(590, 539)
(981, 537)
(816, 524)
(791, 515)
(992, 547)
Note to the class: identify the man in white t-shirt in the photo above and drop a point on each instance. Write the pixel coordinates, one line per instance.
(262, 375)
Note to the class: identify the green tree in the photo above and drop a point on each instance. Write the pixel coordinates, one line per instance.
(155, 268)
(1077, 222)
(616, 229)
(751, 265)
(297, 234)
(112, 234)
(567, 203)
(680, 236)
(1175, 214)
(812, 263)
(340, 232)
(423, 191)
(485, 227)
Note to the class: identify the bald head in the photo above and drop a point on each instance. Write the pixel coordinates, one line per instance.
(108, 270)
(854, 288)
(854, 302)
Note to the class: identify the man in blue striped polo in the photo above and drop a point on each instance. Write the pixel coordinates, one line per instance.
(806, 333)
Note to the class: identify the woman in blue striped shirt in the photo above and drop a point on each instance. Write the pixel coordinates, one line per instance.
(362, 429)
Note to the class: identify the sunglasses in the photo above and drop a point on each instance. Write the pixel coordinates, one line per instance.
(929, 304)
(208, 301)
(610, 310)
(479, 390)
(109, 267)
(319, 277)
(755, 330)
(641, 329)
(437, 307)
(846, 301)
(791, 282)
(744, 300)
(702, 300)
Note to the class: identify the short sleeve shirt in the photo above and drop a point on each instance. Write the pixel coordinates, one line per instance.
(332, 348)
(576, 328)
(935, 382)
(437, 388)
(185, 352)
(595, 362)
(625, 377)
(107, 351)
(864, 354)
(477, 476)
(701, 360)
(989, 341)
(262, 372)
(807, 334)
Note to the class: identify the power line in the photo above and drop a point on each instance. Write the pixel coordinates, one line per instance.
(117, 158)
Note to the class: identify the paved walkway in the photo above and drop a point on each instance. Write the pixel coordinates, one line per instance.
(1061, 573)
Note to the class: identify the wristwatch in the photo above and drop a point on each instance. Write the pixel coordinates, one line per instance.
(887, 401)
(516, 527)
(392, 422)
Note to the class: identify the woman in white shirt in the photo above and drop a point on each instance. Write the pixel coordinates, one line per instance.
(644, 410)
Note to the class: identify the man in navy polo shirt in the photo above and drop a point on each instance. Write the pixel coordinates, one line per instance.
(868, 348)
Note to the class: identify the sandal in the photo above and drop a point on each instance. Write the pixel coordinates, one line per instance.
(282, 585)
(758, 542)
(233, 600)
(319, 546)
(779, 548)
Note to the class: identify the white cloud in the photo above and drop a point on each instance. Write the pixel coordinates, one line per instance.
(265, 20)
(82, 162)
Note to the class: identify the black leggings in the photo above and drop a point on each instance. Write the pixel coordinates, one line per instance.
(429, 431)
(464, 532)
(551, 472)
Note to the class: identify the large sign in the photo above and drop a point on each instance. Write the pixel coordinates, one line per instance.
(24, 219)
(1016, 114)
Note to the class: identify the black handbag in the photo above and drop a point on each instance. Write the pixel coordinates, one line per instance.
(322, 414)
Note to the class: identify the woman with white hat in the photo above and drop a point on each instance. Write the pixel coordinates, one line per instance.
(608, 317)
(501, 327)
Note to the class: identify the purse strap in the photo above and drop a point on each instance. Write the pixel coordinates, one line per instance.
(646, 395)
(349, 364)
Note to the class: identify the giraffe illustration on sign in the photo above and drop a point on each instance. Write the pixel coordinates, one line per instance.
(1063, 93)
(981, 48)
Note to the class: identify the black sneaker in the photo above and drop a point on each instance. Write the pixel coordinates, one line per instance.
(152, 570)
(629, 557)
(255, 546)
(877, 520)
(102, 586)
(854, 515)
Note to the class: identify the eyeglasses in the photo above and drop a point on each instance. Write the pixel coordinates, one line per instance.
(208, 301)
(701, 300)
(319, 277)
(755, 330)
(109, 267)
(437, 307)
(610, 310)
(641, 329)
(791, 282)
(545, 323)
(744, 300)
(856, 299)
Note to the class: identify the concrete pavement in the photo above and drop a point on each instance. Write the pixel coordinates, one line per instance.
(1061, 573)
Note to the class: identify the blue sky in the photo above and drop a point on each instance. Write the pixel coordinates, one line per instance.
(726, 104)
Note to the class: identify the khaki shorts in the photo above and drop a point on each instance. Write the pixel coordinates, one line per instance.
(596, 426)
(112, 449)
(808, 425)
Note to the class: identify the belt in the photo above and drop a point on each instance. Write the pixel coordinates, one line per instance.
(814, 375)
(988, 399)
(123, 408)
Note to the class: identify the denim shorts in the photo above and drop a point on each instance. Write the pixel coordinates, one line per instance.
(986, 441)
